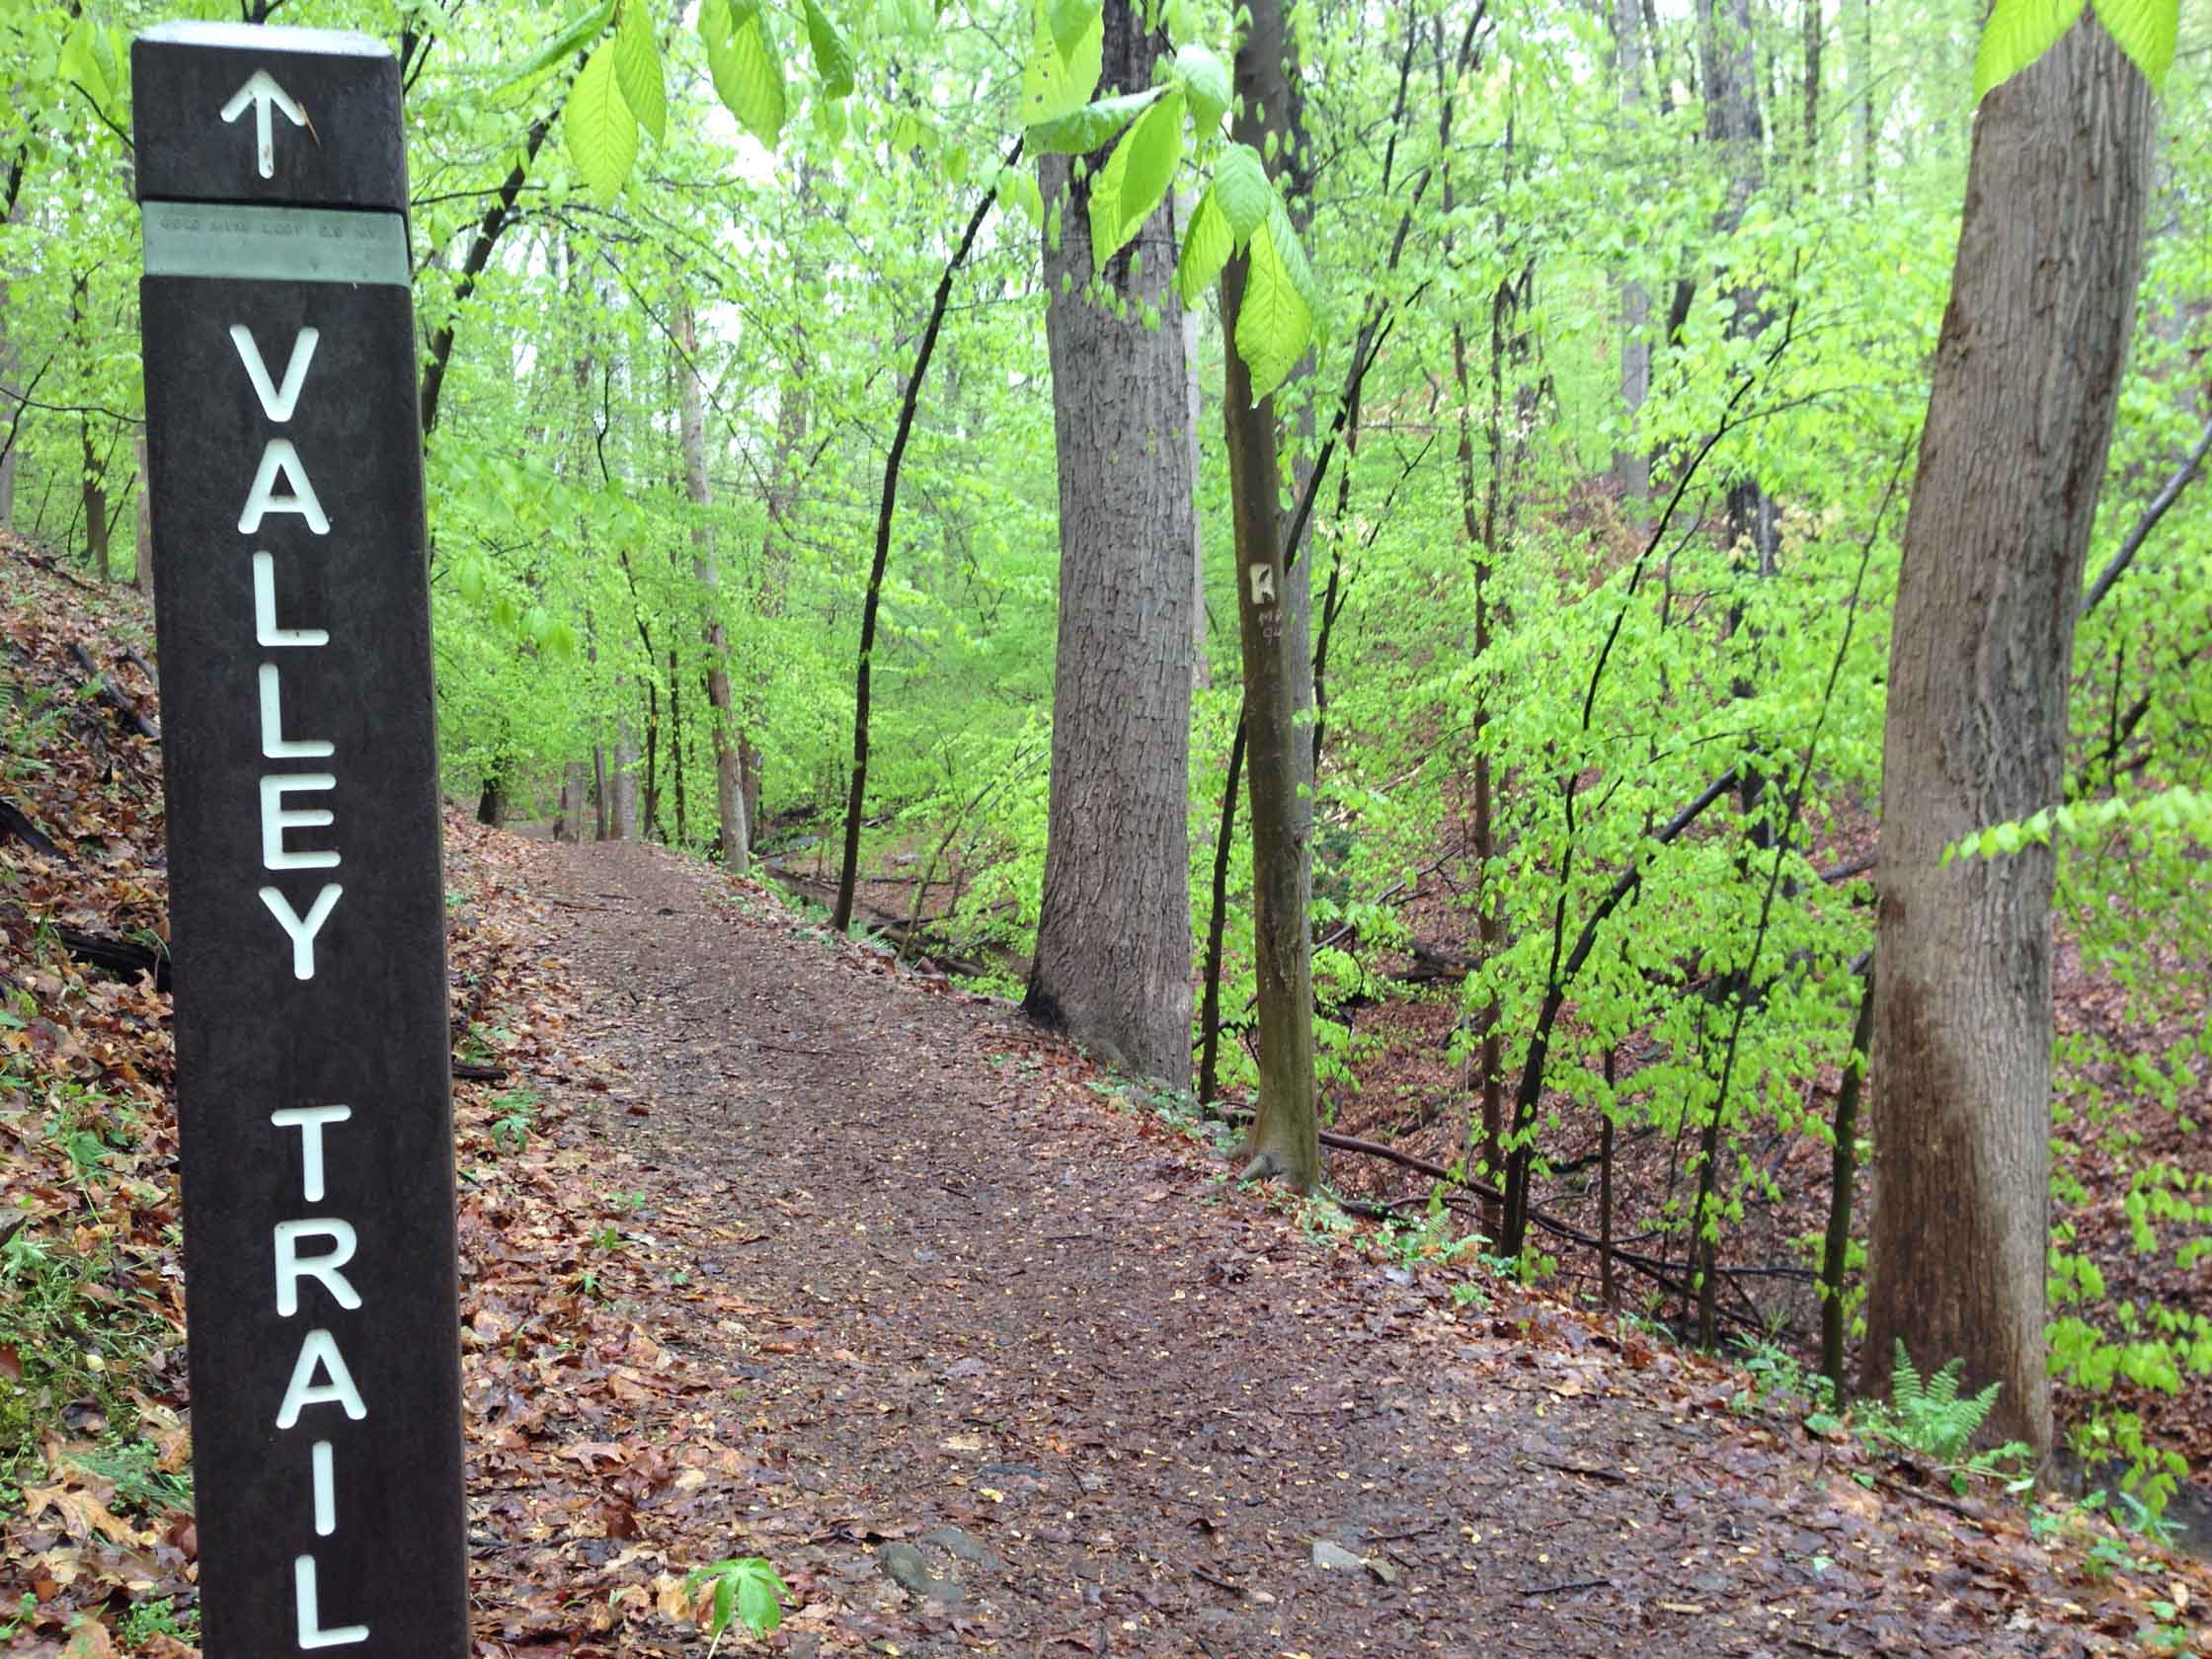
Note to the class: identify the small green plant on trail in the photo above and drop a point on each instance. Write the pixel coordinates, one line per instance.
(149, 1619)
(71, 1337)
(747, 1590)
(25, 1609)
(1929, 1416)
(516, 1121)
(1776, 1374)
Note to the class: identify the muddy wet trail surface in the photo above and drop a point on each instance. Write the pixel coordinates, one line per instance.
(986, 1363)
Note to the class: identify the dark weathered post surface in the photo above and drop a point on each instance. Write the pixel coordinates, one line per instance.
(307, 898)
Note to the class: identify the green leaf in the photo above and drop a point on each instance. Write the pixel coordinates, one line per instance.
(110, 68)
(2148, 32)
(1241, 186)
(1284, 236)
(1135, 178)
(1206, 78)
(758, 1605)
(1274, 325)
(1069, 21)
(637, 70)
(566, 44)
(1206, 244)
(1091, 127)
(749, 76)
(2018, 33)
(724, 1595)
(601, 132)
(1054, 84)
(80, 65)
(833, 58)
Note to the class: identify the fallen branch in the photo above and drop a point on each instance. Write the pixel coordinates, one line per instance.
(1657, 1270)
(53, 569)
(115, 699)
(15, 822)
(126, 958)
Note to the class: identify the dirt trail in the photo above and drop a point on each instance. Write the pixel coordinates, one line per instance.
(1015, 1371)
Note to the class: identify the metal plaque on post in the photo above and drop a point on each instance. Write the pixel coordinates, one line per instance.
(306, 894)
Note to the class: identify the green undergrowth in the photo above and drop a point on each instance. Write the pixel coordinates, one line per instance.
(82, 1243)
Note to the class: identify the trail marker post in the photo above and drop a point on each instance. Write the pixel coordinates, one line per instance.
(306, 894)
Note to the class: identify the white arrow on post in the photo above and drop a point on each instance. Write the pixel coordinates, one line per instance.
(263, 93)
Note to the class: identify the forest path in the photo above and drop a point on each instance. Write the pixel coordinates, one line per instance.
(969, 1294)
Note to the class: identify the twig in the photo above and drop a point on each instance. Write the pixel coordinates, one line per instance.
(113, 698)
(1926, 1496)
(1611, 1477)
(2167, 495)
(1562, 1589)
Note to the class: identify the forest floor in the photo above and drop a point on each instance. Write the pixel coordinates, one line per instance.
(770, 1246)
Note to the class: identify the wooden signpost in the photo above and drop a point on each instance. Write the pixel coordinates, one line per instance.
(306, 895)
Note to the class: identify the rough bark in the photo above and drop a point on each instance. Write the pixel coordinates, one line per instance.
(1632, 461)
(142, 526)
(2027, 375)
(569, 825)
(1843, 1179)
(729, 780)
(1112, 957)
(1284, 1139)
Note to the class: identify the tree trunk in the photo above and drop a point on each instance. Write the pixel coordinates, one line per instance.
(622, 784)
(1631, 460)
(1863, 79)
(1284, 1137)
(96, 558)
(569, 825)
(2027, 374)
(1113, 960)
(1842, 1178)
(887, 508)
(729, 780)
(1812, 26)
(142, 570)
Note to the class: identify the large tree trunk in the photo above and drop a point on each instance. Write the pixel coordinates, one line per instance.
(729, 780)
(1284, 1137)
(2027, 374)
(1112, 957)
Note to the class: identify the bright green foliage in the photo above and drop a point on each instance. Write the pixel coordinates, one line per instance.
(746, 1590)
(1276, 324)
(1207, 244)
(1057, 78)
(95, 61)
(1928, 1413)
(599, 126)
(1136, 177)
(833, 58)
(1241, 189)
(574, 36)
(1090, 125)
(2177, 811)
(1069, 22)
(2022, 31)
(747, 70)
(637, 70)
(1204, 78)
